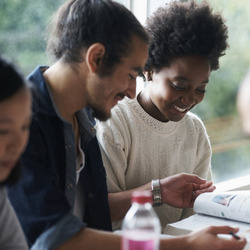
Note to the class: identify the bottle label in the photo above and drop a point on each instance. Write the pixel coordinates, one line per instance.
(138, 241)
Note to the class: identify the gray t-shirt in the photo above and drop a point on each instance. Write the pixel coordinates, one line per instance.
(11, 234)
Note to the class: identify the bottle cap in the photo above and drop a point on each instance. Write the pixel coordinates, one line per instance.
(142, 196)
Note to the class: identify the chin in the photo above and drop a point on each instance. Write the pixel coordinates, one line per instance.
(101, 115)
(4, 176)
(175, 118)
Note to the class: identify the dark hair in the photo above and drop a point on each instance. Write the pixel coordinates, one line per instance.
(11, 81)
(180, 29)
(80, 23)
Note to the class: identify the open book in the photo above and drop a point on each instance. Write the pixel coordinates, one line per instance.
(217, 209)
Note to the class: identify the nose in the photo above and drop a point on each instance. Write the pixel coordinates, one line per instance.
(189, 99)
(131, 90)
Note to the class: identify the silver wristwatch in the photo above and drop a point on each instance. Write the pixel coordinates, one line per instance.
(156, 190)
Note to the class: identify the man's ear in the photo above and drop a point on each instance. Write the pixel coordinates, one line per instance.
(94, 56)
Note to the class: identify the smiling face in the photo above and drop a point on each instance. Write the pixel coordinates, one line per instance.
(15, 115)
(176, 89)
(105, 92)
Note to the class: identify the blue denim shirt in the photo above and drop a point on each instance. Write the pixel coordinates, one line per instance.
(44, 197)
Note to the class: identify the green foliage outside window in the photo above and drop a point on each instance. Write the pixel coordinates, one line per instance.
(220, 100)
(224, 83)
(22, 31)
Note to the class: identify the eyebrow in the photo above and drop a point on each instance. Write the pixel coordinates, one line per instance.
(5, 120)
(185, 79)
(9, 121)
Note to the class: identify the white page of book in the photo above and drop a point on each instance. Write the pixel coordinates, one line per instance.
(230, 205)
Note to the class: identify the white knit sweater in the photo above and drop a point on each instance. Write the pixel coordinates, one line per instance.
(137, 148)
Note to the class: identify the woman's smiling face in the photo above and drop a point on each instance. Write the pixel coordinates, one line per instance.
(176, 89)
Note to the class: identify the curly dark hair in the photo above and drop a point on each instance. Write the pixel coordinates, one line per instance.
(80, 23)
(185, 28)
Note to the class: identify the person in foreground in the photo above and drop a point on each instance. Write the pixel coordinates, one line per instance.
(62, 199)
(15, 116)
(154, 135)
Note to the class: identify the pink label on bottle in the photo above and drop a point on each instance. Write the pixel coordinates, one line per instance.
(129, 244)
(139, 243)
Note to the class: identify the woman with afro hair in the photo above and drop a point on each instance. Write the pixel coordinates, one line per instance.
(154, 136)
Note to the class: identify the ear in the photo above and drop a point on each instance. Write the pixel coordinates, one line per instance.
(148, 75)
(94, 56)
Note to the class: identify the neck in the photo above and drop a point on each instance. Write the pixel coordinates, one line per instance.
(148, 105)
(67, 88)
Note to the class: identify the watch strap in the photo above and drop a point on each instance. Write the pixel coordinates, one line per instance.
(156, 191)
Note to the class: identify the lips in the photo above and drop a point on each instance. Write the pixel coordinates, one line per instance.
(116, 99)
(180, 109)
(8, 165)
(120, 96)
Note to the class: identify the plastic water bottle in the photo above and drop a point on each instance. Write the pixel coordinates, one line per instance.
(141, 226)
